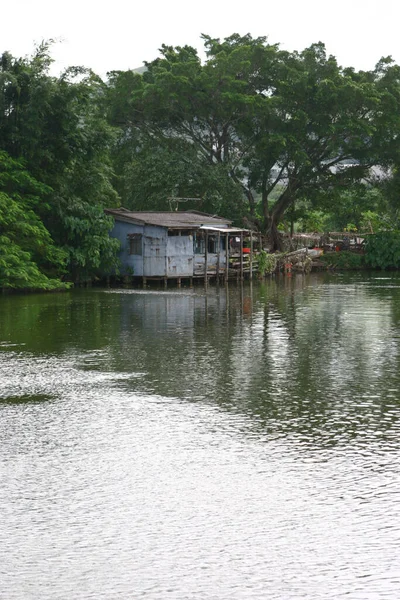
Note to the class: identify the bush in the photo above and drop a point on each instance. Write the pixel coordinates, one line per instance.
(267, 263)
(344, 260)
(382, 250)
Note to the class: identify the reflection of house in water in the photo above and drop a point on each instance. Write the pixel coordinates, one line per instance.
(175, 245)
(182, 340)
(157, 313)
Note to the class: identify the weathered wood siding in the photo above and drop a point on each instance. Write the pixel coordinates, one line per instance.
(212, 260)
(130, 263)
(162, 255)
(155, 241)
(180, 256)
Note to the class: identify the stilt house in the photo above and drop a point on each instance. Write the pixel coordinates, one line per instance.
(168, 245)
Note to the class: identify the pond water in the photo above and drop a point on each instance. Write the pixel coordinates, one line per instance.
(234, 444)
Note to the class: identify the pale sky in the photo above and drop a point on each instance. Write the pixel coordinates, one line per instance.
(119, 34)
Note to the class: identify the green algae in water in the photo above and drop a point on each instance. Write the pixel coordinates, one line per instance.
(27, 399)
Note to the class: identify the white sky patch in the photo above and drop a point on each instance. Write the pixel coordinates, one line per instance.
(121, 35)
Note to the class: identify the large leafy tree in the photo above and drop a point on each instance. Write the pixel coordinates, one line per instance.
(282, 127)
(334, 125)
(58, 127)
(28, 255)
(165, 174)
(191, 112)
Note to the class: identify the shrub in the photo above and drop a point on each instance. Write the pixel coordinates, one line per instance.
(382, 250)
(344, 260)
(266, 263)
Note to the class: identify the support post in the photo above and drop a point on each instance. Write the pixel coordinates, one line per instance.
(226, 257)
(241, 255)
(251, 255)
(218, 255)
(206, 259)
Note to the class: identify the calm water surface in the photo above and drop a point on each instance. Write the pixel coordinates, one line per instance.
(240, 444)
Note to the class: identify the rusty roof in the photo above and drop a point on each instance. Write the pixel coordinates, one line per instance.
(172, 220)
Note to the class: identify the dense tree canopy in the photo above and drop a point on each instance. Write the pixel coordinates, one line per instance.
(57, 128)
(282, 127)
(28, 256)
(267, 137)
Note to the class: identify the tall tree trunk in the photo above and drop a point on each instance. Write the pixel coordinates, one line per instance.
(264, 200)
(275, 242)
(252, 202)
(247, 192)
(274, 217)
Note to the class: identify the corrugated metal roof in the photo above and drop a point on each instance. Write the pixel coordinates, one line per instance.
(172, 220)
(224, 229)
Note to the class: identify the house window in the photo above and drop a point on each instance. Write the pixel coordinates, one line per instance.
(136, 244)
(182, 232)
(212, 244)
(198, 243)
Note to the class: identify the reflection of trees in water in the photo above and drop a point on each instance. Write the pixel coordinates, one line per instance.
(302, 355)
(340, 365)
(296, 355)
(59, 322)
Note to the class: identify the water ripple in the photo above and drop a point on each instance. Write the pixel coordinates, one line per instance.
(229, 445)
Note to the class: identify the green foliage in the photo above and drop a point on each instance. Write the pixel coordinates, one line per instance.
(253, 131)
(314, 220)
(90, 248)
(286, 128)
(382, 250)
(373, 222)
(28, 256)
(167, 169)
(58, 127)
(19, 271)
(345, 260)
(78, 221)
(267, 263)
(361, 208)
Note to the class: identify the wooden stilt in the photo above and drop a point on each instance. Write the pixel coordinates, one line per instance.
(206, 261)
(241, 255)
(226, 257)
(251, 255)
(218, 256)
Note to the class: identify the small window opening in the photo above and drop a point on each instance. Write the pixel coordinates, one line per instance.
(199, 244)
(136, 244)
(212, 244)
